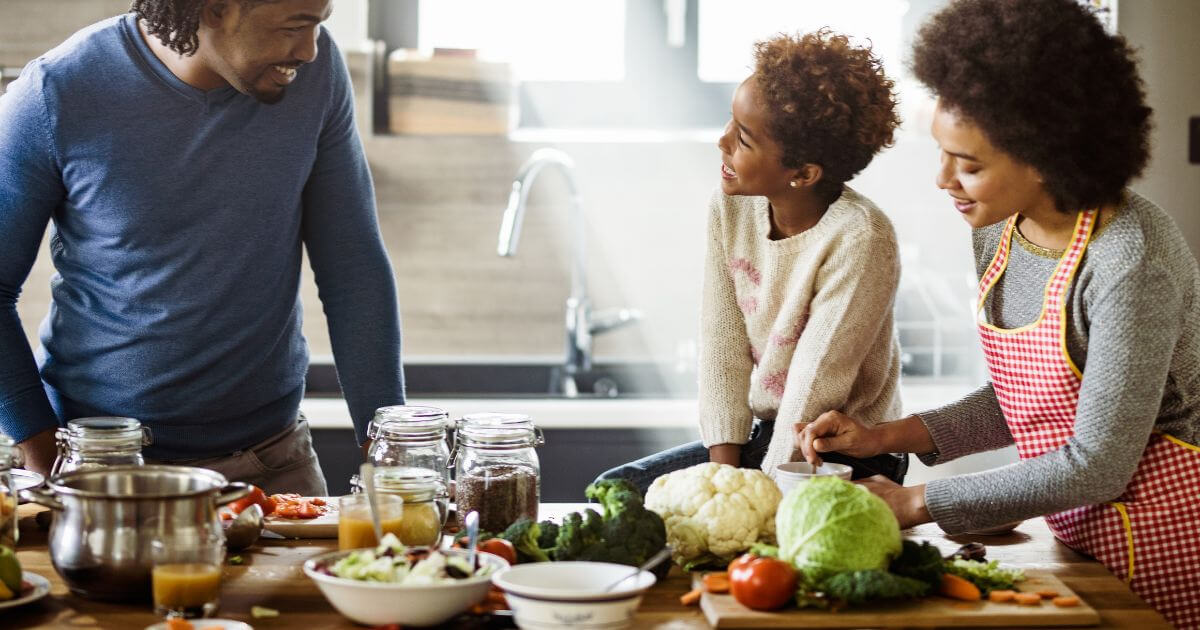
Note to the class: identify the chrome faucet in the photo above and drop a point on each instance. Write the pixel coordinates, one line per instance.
(581, 323)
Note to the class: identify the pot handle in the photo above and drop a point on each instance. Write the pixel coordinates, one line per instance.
(41, 496)
(232, 492)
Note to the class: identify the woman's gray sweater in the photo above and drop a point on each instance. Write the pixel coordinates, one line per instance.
(1133, 329)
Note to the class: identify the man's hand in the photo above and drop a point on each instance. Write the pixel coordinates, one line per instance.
(907, 502)
(835, 431)
(725, 454)
(39, 452)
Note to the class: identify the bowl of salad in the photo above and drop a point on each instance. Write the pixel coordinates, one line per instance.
(395, 584)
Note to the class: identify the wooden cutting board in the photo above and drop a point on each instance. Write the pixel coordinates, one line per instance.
(722, 611)
(324, 526)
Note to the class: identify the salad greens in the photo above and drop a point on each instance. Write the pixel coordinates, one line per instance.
(988, 576)
(393, 563)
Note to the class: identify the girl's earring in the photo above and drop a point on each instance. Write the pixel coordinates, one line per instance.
(793, 184)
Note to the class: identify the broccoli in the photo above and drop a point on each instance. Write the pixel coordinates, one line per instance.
(549, 534)
(856, 587)
(615, 496)
(631, 533)
(579, 530)
(524, 535)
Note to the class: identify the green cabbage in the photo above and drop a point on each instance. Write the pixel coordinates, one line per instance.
(827, 525)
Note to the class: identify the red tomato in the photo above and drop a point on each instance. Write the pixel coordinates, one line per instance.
(762, 583)
(741, 561)
(499, 547)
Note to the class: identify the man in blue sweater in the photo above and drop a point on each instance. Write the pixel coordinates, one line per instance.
(184, 155)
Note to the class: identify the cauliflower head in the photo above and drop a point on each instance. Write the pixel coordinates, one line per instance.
(714, 511)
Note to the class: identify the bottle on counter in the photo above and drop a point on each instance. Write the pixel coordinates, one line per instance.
(100, 442)
(496, 468)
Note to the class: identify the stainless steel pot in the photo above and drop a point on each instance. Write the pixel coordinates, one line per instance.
(107, 518)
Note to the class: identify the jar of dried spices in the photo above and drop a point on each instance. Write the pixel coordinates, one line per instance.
(496, 468)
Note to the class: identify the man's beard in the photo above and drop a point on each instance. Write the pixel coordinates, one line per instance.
(266, 98)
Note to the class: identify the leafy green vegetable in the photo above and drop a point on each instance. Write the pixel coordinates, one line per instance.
(631, 533)
(579, 530)
(828, 525)
(921, 561)
(764, 550)
(524, 535)
(549, 534)
(856, 587)
(626, 532)
(988, 576)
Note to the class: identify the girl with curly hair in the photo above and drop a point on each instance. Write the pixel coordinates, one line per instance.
(801, 270)
(1086, 304)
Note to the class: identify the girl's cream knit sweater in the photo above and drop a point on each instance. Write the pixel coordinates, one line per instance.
(796, 327)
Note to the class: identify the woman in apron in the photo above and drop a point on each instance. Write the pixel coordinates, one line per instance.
(1087, 305)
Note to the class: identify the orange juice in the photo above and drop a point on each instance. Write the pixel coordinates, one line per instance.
(191, 588)
(356, 531)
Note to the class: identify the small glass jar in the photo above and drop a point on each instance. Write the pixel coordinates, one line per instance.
(426, 502)
(10, 457)
(411, 437)
(496, 468)
(100, 442)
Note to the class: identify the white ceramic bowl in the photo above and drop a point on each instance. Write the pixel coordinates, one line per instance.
(787, 475)
(552, 595)
(378, 604)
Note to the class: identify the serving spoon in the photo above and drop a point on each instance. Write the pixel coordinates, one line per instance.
(650, 563)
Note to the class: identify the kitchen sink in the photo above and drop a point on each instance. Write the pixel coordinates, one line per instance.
(520, 380)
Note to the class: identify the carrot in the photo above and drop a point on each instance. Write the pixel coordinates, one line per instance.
(1067, 601)
(1047, 594)
(691, 597)
(716, 582)
(179, 623)
(1001, 596)
(956, 587)
(1028, 599)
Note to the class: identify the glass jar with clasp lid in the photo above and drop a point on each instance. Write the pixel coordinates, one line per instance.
(10, 458)
(100, 442)
(412, 437)
(496, 468)
(426, 501)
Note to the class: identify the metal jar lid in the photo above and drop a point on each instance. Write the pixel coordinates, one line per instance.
(408, 423)
(498, 430)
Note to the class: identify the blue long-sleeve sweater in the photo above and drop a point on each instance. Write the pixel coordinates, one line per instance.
(177, 219)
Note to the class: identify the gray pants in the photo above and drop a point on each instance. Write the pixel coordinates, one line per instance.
(284, 462)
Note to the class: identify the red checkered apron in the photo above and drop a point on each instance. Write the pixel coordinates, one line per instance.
(1150, 535)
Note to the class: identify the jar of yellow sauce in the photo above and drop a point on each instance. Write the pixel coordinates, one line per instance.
(426, 502)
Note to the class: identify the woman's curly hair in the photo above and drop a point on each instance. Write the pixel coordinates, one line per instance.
(1047, 85)
(175, 22)
(828, 102)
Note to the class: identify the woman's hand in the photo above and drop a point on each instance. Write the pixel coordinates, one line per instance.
(835, 431)
(907, 502)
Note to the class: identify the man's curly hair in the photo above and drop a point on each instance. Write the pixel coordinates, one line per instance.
(175, 22)
(1047, 85)
(828, 102)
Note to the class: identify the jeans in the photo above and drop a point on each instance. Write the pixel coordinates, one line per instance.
(644, 471)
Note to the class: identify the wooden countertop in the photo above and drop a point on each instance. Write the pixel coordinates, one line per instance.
(271, 577)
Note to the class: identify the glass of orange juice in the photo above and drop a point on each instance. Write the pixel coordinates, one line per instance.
(186, 575)
(355, 530)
